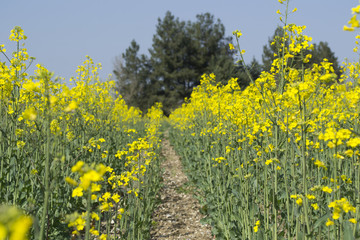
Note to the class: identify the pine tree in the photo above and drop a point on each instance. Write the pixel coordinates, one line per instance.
(181, 53)
(132, 71)
(170, 62)
(269, 49)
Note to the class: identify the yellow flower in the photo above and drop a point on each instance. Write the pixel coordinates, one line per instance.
(29, 114)
(353, 142)
(353, 220)
(237, 33)
(103, 237)
(95, 187)
(354, 22)
(339, 205)
(320, 164)
(20, 144)
(20, 228)
(94, 232)
(256, 228)
(106, 196)
(72, 106)
(326, 189)
(77, 166)
(77, 192)
(310, 197)
(299, 201)
(231, 46)
(315, 206)
(268, 161)
(95, 216)
(71, 181)
(87, 178)
(329, 222)
(3, 232)
(116, 197)
(293, 196)
(356, 9)
(350, 29)
(295, 9)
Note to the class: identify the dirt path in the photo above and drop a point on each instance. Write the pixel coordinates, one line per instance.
(177, 217)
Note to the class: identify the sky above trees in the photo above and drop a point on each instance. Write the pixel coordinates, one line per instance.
(61, 33)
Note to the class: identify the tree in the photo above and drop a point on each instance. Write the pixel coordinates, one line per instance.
(181, 52)
(269, 49)
(170, 60)
(212, 54)
(132, 71)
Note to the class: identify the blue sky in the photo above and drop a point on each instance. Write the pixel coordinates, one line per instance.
(61, 33)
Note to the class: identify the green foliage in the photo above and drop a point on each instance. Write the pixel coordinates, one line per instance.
(132, 72)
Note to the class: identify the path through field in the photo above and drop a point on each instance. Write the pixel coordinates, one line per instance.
(177, 216)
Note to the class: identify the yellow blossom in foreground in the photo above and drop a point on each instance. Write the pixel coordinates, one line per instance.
(77, 166)
(341, 205)
(355, 9)
(326, 189)
(71, 181)
(29, 114)
(353, 220)
(78, 192)
(94, 232)
(3, 231)
(16, 225)
(329, 222)
(350, 29)
(231, 46)
(72, 106)
(116, 197)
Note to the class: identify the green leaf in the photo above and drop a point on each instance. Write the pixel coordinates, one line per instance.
(348, 231)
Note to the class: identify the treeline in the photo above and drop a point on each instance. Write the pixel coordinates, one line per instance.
(181, 52)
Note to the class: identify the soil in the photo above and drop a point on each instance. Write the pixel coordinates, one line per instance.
(177, 216)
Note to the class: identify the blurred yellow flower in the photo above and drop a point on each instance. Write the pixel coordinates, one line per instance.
(231, 46)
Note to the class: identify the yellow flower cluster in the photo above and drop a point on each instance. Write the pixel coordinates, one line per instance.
(14, 224)
(340, 206)
(88, 176)
(46, 119)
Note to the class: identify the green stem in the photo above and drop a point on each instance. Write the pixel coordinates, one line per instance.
(88, 215)
(47, 160)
